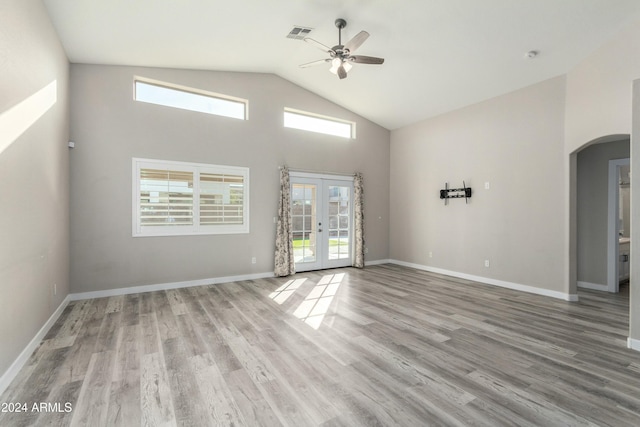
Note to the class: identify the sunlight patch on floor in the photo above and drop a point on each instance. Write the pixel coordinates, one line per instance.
(316, 305)
(283, 293)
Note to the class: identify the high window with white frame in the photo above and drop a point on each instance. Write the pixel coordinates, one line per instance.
(187, 98)
(312, 122)
(178, 198)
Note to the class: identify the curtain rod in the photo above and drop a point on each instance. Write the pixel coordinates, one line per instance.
(318, 172)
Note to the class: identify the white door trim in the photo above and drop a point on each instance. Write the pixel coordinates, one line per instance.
(613, 226)
(318, 175)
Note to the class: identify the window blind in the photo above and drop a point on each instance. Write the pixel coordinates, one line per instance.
(166, 197)
(221, 199)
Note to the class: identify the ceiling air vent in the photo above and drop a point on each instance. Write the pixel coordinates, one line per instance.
(299, 33)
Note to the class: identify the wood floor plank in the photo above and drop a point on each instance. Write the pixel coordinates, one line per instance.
(75, 365)
(188, 405)
(63, 395)
(155, 392)
(255, 410)
(93, 401)
(537, 409)
(215, 392)
(150, 334)
(167, 325)
(67, 333)
(176, 302)
(131, 310)
(115, 304)
(35, 389)
(388, 346)
(124, 406)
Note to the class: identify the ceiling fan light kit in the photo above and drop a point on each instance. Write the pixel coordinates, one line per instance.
(336, 63)
(341, 56)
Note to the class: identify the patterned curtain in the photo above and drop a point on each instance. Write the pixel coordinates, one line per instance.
(358, 213)
(284, 262)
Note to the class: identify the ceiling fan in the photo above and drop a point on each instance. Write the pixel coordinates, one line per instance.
(341, 56)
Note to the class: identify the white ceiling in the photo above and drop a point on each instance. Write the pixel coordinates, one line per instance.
(439, 54)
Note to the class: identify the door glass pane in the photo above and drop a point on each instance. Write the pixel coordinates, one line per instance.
(298, 223)
(339, 227)
(303, 215)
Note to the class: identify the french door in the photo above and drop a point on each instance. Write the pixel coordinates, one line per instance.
(322, 220)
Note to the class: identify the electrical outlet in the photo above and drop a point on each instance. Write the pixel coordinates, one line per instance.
(366, 250)
(253, 260)
(430, 254)
(486, 263)
(487, 185)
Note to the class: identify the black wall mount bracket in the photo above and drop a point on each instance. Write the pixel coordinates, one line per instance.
(455, 193)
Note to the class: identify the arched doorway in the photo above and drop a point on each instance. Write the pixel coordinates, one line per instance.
(597, 206)
(592, 237)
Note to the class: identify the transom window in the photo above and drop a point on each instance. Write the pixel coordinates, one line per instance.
(186, 98)
(178, 198)
(311, 122)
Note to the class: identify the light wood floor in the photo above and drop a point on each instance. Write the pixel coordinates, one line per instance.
(386, 345)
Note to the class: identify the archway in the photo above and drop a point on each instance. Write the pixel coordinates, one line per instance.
(604, 149)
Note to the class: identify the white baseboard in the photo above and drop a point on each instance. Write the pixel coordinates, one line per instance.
(633, 344)
(377, 262)
(166, 286)
(20, 361)
(593, 286)
(489, 281)
(177, 285)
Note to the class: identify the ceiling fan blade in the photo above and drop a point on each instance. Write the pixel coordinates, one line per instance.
(318, 62)
(356, 41)
(342, 73)
(320, 46)
(361, 59)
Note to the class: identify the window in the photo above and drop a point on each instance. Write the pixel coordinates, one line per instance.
(177, 198)
(317, 123)
(186, 98)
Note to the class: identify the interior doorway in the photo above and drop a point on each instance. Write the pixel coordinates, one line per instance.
(595, 186)
(322, 221)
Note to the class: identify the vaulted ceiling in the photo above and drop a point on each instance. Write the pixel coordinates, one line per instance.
(440, 55)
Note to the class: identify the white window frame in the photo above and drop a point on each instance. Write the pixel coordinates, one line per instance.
(319, 118)
(195, 229)
(192, 91)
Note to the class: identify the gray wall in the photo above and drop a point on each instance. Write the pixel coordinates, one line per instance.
(34, 195)
(514, 142)
(110, 128)
(592, 213)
